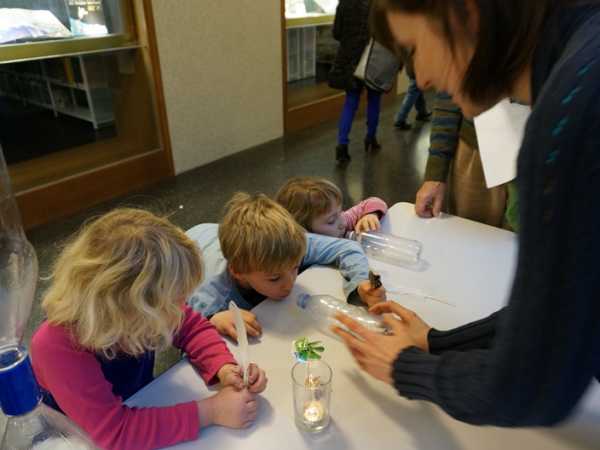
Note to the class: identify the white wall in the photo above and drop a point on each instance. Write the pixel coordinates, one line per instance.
(221, 69)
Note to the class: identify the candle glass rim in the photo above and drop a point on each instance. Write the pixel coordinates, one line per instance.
(303, 385)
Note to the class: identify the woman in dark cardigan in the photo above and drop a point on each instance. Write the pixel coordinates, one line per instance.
(530, 363)
(351, 29)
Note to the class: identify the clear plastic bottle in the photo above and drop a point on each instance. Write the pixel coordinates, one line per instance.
(389, 248)
(18, 267)
(323, 308)
(30, 424)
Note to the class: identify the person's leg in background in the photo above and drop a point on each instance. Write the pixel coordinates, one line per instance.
(423, 115)
(411, 97)
(345, 126)
(373, 110)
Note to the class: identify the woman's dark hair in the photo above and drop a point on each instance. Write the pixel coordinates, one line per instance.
(509, 31)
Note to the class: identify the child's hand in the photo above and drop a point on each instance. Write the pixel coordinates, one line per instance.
(257, 379)
(224, 322)
(231, 375)
(368, 222)
(229, 408)
(369, 295)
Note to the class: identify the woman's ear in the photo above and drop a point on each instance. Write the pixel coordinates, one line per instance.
(473, 17)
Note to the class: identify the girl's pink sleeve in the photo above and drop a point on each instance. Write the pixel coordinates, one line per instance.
(74, 378)
(204, 346)
(369, 206)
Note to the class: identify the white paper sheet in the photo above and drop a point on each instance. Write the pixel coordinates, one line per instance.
(295, 8)
(500, 134)
(16, 24)
(328, 6)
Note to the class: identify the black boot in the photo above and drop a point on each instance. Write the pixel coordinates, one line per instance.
(424, 117)
(402, 125)
(341, 153)
(371, 144)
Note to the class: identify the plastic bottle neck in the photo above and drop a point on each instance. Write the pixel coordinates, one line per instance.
(354, 236)
(19, 391)
(303, 300)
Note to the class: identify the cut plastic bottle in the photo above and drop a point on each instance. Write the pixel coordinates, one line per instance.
(390, 249)
(323, 308)
(30, 424)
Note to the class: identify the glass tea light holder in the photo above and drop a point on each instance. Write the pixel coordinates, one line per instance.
(311, 382)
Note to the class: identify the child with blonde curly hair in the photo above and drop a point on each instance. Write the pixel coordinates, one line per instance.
(117, 296)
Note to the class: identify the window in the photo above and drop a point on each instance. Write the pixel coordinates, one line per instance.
(79, 95)
(311, 50)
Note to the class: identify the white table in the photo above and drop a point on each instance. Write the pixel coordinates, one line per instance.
(470, 265)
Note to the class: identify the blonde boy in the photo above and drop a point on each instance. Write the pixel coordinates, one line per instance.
(257, 252)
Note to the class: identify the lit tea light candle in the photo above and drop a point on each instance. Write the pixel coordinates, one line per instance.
(313, 412)
(312, 382)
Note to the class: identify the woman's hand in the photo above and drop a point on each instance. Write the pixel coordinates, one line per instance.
(375, 353)
(410, 323)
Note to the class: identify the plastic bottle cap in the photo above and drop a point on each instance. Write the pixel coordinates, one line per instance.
(303, 300)
(19, 392)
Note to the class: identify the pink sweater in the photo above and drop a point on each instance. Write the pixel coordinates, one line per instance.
(74, 378)
(368, 206)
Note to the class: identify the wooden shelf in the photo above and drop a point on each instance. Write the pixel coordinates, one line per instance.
(67, 84)
(118, 176)
(61, 183)
(97, 109)
(33, 51)
(310, 21)
(321, 109)
(40, 104)
(55, 167)
(308, 91)
(44, 79)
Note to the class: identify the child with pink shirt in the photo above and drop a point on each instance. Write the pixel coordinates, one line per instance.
(118, 296)
(316, 204)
